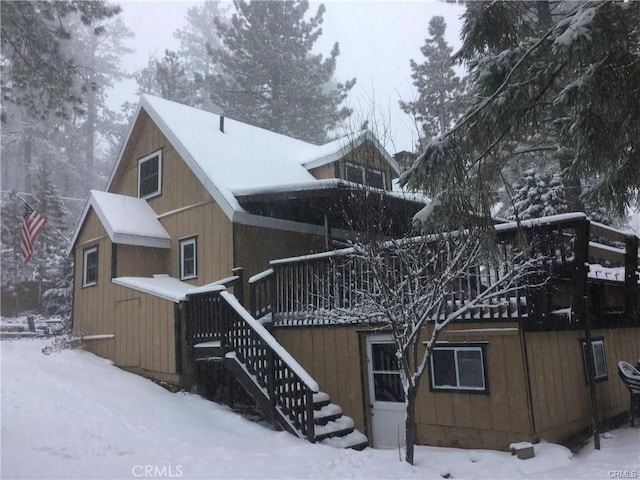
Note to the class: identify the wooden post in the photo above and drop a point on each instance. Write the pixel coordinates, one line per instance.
(238, 287)
(273, 292)
(579, 314)
(631, 279)
(311, 433)
(271, 384)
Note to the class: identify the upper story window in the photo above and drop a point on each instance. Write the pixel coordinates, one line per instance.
(364, 175)
(89, 266)
(458, 367)
(599, 358)
(188, 258)
(150, 175)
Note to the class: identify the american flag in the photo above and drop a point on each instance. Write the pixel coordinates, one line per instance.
(32, 225)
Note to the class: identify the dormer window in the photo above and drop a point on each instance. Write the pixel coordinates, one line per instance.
(150, 175)
(364, 175)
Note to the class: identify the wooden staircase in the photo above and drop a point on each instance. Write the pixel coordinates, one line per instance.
(220, 329)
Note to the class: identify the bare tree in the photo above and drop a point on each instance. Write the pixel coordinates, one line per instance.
(414, 287)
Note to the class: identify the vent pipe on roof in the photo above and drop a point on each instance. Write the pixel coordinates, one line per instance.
(222, 123)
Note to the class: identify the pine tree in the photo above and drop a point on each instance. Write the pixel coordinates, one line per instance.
(270, 76)
(52, 263)
(167, 78)
(39, 72)
(439, 88)
(537, 195)
(199, 37)
(564, 73)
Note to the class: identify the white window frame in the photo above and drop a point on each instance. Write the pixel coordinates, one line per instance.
(85, 254)
(141, 161)
(192, 240)
(460, 388)
(597, 376)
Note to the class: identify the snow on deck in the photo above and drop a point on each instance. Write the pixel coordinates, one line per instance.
(165, 286)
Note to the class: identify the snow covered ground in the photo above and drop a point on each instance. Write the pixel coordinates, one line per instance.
(74, 415)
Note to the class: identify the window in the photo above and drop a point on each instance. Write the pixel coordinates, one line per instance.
(89, 266)
(458, 368)
(599, 358)
(375, 178)
(188, 258)
(150, 175)
(387, 384)
(364, 175)
(354, 173)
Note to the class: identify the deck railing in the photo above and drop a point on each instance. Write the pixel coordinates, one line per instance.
(218, 315)
(296, 289)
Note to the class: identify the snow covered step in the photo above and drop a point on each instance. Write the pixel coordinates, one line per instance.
(327, 413)
(337, 428)
(320, 399)
(355, 440)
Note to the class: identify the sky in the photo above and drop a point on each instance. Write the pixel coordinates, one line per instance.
(377, 39)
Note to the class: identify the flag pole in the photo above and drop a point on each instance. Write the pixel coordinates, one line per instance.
(48, 222)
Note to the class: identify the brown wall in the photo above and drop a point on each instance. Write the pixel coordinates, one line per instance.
(181, 190)
(331, 355)
(477, 420)
(559, 387)
(143, 342)
(366, 154)
(255, 247)
(180, 187)
(335, 359)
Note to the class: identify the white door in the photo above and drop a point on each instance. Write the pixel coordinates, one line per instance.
(385, 391)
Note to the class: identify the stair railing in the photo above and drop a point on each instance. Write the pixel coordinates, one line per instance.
(289, 387)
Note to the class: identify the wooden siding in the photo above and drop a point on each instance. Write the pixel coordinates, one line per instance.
(366, 154)
(184, 207)
(326, 171)
(255, 247)
(477, 420)
(180, 187)
(143, 342)
(331, 355)
(134, 261)
(214, 233)
(559, 387)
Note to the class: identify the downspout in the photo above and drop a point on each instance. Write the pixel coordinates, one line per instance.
(364, 372)
(177, 332)
(579, 314)
(527, 372)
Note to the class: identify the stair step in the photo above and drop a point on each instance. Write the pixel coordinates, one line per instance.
(327, 414)
(337, 428)
(320, 400)
(355, 440)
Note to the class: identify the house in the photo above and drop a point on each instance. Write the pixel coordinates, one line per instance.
(196, 197)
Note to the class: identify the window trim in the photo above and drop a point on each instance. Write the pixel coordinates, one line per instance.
(85, 253)
(146, 158)
(596, 378)
(190, 240)
(460, 346)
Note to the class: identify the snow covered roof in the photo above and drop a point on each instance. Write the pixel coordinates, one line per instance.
(164, 286)
(127, 220)
(240, 157)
